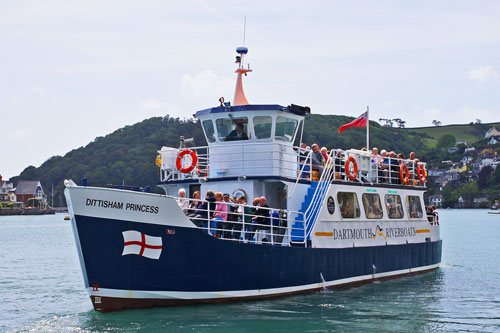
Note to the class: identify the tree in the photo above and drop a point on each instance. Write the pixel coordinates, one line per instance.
(446, 141)
(436, 123)
(482, 177)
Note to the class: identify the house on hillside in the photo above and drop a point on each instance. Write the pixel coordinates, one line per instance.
(31, 189)
(452, 150)
(491, 132)
(5, 186)
(466, 160)
(7, 191)
(494, 140)
(436, 200)
(469, 149)
(487, 152)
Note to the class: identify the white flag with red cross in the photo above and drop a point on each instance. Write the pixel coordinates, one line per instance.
(135, 242)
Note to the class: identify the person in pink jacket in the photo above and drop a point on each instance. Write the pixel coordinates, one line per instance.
(220, 214)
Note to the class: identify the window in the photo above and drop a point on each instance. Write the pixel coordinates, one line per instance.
(285, 129)
(232, 129)
(208, 125)
(394, 206)
(348, 205)
(262, 127)
(372, 205)
(414, 206)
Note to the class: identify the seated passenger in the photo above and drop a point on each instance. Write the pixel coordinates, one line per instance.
(183, 202)
(237, 134)
(195, 204)
(317, 159)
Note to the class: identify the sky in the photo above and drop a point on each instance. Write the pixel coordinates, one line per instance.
(71, 71)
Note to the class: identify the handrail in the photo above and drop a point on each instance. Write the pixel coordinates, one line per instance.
(275, 232)
(304, 164)
(324, 183)
(288, 159)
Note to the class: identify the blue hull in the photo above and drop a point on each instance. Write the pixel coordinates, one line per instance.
(193, 261)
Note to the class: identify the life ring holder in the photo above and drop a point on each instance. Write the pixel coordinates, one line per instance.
(404, 174)
(351, 176)
(421, 173)
(194, 161)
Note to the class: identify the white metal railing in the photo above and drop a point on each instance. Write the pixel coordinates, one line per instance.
(312, 212)
(275, 228)
(293, 162)
(433, 219)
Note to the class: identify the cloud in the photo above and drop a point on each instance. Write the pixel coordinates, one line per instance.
(160, 107)
(206, 84)
(20, 133)
(482, 74)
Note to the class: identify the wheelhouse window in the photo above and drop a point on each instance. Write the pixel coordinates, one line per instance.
(348, 205)
(394, 206)
(232, 129)
(372, 205)
(414, 206)
(262, 127)
(208, 126)
(285, 129)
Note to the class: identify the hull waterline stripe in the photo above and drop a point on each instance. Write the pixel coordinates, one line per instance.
(422, 231)
(196, 295)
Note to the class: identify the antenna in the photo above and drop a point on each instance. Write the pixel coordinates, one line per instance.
(244, 30)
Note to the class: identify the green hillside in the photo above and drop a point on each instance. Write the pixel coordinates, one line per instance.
(127, 155)
(468, 133)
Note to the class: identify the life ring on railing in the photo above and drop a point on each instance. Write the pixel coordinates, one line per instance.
(422, 173)
(194, 161)
(348, 173)
(404, 174)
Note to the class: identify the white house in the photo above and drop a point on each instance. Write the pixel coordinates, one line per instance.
(491, 132)
(494, 140)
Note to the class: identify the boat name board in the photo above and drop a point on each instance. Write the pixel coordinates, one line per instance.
(119, 205)
(368, 233)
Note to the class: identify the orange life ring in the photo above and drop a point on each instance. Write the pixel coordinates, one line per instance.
(348, 173)
(404, 174)
(194, 161)
(421, 173)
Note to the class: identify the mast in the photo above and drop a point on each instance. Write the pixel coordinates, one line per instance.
(367, 128)
(239, 94)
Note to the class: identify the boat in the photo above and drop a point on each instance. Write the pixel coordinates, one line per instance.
(347, 223)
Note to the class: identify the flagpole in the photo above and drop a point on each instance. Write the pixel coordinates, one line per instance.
(367, 128)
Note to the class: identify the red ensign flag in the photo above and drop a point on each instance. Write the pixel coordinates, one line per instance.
(358, 122)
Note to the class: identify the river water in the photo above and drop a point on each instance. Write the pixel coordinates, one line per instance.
(41, 289)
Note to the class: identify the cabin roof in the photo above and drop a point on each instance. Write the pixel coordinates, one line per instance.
(251, 107)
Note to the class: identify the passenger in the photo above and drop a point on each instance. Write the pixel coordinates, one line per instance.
(195, 204)
(324, 152)
(183, 202)
(383, 167)
(262, 218)
(394, 168)
(205, 210)
(244, 217)
(237, 134)
(219, 216)
(317, 160)
(231, 215)
(303, 152)
(262, 213)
